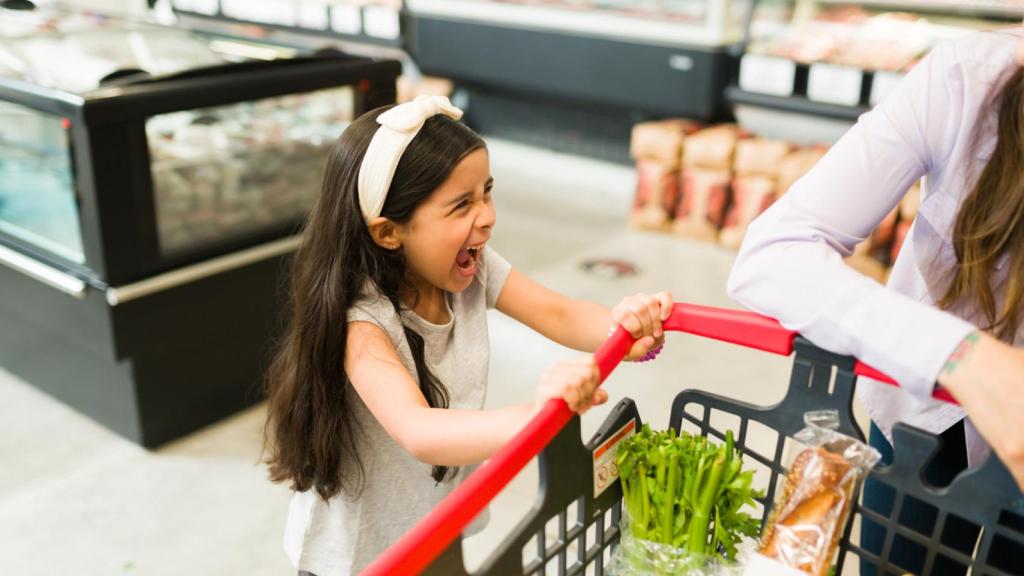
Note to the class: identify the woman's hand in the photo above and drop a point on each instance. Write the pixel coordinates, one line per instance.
(575, 381)
(987, 377)
(642, 316)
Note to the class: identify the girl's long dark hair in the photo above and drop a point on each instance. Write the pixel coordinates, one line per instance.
(311, 438)
(990, 224)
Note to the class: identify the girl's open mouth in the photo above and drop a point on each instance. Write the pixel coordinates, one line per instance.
(468, 259)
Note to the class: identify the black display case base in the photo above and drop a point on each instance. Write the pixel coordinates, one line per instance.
(152, 369)
(593, 131)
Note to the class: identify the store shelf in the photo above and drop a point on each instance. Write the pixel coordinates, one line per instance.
(1002, 8)
(718, 26)
(366, 24)
(797, 104)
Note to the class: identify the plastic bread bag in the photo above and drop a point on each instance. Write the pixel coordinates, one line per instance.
(810, 515)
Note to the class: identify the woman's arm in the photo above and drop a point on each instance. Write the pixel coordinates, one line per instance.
(987, 377)
(790, 266)
(579, 324)
(449, 437)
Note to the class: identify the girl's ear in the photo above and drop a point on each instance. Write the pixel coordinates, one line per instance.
(385, 233)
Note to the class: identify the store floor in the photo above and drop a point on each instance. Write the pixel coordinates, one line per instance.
(76, 499)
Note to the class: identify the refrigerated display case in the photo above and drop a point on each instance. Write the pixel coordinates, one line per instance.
(835, 59)
(664, 56)
(152, 183)
(576, 75)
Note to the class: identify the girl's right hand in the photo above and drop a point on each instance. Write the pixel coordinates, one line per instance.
(987, 377)
(642, 315)
(575, 381)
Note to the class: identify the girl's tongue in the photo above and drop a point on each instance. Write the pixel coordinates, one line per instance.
(464, 259)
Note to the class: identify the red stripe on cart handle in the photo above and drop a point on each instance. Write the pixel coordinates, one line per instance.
(862, 369)
(414, 552)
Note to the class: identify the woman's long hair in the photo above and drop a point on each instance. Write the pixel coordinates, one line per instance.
(990, 224)
(311, 438)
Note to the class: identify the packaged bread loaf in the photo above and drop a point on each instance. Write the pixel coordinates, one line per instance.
(751, 195)
(862, 261)
(902, 230)
(760, 157)
(880, 241)
(911, 201)
(797, 163)
(712, 148)
(409, 88)
(908, 211)
(810, 515)
(657, 191)
(661, 141)
(705, 198)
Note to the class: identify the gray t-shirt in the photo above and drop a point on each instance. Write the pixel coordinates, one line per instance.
(342, 536)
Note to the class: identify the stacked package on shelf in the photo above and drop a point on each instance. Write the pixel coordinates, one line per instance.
(707, 172)
(409, 88)
(908, 211)
(657, 148)
(874, 256)
(871, 257)
(796, 164)
(754, 185)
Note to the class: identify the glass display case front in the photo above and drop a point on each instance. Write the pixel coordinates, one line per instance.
(128, 148)
(38, 201)
(226, 171)
(153, 182)
(78, 58)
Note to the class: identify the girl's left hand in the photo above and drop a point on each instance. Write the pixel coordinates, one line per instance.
(642, 316)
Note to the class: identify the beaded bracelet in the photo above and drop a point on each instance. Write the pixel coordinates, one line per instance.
(651, 354)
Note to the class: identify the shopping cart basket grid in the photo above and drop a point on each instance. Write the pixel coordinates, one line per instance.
(985, 497)
(580, 541)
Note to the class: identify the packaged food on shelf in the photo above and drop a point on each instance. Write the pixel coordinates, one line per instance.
(712, 148)
(862, 261)
(760, 156)
(751, 196)
(902, 230)
(886, 41)
(242, 168)
(908, 211)
(796, 164)
(657, 192)
(705, 198)
(810, 515)
(661, 141)
(910, 203)
(880, 241)
(409, 88)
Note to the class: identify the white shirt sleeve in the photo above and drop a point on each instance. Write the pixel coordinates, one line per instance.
(790, 266)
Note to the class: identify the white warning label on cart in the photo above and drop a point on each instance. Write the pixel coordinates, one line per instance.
(605, 470)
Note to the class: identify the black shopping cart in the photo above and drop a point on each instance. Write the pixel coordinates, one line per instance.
(584, 500)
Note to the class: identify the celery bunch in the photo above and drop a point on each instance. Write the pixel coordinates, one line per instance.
(685, 492)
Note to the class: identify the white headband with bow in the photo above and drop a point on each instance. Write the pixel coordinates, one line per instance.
(398, 127)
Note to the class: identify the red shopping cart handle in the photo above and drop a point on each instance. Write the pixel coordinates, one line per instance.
(414, 552)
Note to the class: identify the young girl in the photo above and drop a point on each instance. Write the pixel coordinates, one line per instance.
(375, 396)
(953, 311)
